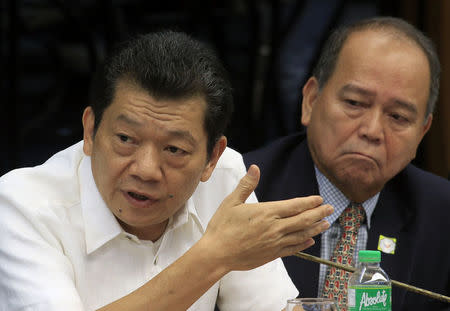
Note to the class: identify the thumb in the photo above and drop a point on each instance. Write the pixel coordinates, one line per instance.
(246, 186)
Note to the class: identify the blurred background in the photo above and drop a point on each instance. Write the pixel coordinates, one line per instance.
(49, 50)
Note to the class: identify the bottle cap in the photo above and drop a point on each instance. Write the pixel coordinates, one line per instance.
(369, 256)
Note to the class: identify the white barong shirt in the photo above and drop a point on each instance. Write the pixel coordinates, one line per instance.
(61, 248)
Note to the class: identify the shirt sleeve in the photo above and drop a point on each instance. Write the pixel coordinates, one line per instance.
(266, 288)
(34, 272)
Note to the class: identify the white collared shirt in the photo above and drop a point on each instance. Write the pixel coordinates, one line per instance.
(62, 249)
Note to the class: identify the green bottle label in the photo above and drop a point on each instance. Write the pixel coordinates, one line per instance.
(365, 298)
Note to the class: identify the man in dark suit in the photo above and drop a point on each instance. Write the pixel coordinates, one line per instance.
(366, 108)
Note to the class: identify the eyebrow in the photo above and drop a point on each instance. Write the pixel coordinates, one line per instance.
(359, 90)
(407, 106)
(182, 134)
(186, 135)
(130, 121)
(356, 89)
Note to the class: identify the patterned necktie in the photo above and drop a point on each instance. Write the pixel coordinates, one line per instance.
(335, 286)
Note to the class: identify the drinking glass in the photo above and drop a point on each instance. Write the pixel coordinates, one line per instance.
(311, 304)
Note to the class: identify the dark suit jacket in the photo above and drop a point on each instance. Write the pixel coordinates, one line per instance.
(413, 207)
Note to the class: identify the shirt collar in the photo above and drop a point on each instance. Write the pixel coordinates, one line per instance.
(333, 196)
(100, 224)
(183, 215)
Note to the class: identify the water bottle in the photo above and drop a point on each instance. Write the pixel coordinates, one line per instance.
(369, 287)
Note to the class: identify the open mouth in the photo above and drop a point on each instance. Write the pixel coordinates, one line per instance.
(138, 197)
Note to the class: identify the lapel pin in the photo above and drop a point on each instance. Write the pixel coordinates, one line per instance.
(387, 244)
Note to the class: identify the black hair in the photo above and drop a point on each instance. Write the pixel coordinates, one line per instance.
(167, 65)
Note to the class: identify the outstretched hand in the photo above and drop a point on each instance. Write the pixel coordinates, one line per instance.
(244, 236)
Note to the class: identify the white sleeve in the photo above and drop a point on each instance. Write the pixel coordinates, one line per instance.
(34, 272)
(266, 288)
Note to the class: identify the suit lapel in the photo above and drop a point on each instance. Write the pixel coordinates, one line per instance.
(288, 172)
(392, 218)
(302, 182)
(304, 273)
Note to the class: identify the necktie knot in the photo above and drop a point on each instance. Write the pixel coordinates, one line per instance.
(352, 217)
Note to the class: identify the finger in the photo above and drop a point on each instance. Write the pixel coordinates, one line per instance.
(293, 249)
(246, 186)
(298, 237)
(289, 208)
(305, 219)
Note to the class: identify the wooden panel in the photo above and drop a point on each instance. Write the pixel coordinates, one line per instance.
(444, 51)
(437, 141)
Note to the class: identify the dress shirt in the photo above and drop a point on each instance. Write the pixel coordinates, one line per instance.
(333, 196)
(62, 249)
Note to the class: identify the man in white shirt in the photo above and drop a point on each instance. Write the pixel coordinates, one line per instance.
(151, 211)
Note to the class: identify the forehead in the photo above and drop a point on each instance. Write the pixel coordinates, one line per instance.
(142, 109)
(124, 87)
(126, 93)
(390, 64)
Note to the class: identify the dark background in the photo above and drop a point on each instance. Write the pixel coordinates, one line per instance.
(49, 50)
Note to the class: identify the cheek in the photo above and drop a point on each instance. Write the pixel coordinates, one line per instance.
(107, 171)
(181, 192)
(182, 182)
(332, 135)
(400, 151)
(327, 119)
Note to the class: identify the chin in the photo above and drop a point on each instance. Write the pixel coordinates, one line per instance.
(361, 185)
(359, 179)
(139, 223)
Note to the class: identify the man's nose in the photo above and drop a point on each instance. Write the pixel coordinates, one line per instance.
(147, 164)
(372, 126)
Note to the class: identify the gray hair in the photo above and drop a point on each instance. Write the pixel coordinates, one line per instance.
(330, 52)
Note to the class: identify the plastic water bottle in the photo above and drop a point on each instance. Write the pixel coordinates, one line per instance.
(369, 287)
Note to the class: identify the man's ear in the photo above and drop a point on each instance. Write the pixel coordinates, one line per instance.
(88, 130)
(427, 125)
(425, 129)
(310, 93)
(217, 151)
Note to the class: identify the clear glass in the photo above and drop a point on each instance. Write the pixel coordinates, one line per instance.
(311, 304)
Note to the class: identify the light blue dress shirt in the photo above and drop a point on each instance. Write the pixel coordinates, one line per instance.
(333, 196)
